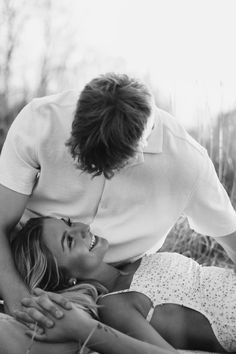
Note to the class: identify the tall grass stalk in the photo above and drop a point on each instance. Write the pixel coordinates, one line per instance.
(221, 149)
(204, 249)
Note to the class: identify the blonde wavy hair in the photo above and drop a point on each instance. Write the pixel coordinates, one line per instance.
(39, 268)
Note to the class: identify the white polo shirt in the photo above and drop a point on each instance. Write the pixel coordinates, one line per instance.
(135, 209)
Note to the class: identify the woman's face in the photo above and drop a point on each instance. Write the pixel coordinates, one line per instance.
(75, 247)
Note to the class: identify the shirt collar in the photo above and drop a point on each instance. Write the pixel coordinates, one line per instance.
(155, 139)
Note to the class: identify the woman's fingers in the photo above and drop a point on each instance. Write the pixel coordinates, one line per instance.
(32, 315)
(43, 306)
(45, 303)
(57, 298)
(22, 317)
(28, 301)
(34, 334)
(49, 306)
(38, 291)
(39, 317)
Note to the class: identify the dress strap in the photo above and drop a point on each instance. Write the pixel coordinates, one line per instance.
(150, 313)
(115, 292)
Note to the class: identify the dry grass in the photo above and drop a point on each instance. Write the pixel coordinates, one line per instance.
(204, 249)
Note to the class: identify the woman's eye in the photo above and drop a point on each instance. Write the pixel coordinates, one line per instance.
(69, 241)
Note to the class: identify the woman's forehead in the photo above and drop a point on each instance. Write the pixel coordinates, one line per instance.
(53, 230)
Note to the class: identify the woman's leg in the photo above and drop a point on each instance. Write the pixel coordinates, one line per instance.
(14, 341)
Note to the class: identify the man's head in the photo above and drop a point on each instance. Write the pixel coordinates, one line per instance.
(110, 118)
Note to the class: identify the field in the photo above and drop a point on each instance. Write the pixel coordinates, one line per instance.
(219, 140)
(204, 249)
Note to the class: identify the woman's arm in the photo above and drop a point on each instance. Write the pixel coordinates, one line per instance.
(77, 325)
(107, 340)
(12, 205)
(120, 313)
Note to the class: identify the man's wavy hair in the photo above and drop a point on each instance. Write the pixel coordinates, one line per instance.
(38, 267)
(110, 117)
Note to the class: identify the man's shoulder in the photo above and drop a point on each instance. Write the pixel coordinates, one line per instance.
(175, 136)
(178, 149)
(63, 99)
(53, 111)
(46, 117)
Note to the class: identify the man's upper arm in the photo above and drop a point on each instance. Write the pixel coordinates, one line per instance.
(19, 165)
(209, 209)
(12, 206)
(117, 312)
(228, 242)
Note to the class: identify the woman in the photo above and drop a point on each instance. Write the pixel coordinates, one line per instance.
(191, 306)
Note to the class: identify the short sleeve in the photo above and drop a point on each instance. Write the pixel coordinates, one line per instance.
(209, 209)
(18, 161)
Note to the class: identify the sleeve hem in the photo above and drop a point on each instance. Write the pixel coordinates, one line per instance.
(26, 190)
(226, 233)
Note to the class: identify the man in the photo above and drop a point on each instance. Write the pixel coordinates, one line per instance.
(109, 158)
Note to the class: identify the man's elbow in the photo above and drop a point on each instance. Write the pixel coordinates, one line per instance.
(228, 242)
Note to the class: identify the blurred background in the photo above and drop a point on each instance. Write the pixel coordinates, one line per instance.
(183, 50)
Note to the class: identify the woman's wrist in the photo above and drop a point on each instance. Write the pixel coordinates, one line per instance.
(83, 329)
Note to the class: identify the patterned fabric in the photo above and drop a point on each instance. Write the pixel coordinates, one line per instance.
(173, 278)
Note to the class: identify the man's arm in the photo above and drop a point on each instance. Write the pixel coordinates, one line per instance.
(12, 288)
(229, 244)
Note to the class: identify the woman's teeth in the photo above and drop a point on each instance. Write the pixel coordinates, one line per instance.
(92, 242)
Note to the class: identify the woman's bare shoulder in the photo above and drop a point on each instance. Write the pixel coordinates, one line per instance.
(117, 299)
(117, 307)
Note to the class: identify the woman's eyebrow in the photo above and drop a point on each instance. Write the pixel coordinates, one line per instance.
(63, 239)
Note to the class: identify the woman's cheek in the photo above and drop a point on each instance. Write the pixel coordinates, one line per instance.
(85, 264)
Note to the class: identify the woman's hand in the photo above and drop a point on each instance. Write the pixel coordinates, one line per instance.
(76, 325)
(42, 308)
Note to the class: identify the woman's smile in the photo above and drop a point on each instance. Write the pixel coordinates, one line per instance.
(93, 242)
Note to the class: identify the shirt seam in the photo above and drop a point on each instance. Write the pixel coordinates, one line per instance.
(35, 100)
(9, 183)
(36, 153)
(194, 188)
(201, 151)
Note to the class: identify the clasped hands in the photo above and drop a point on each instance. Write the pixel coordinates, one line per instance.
(51, 317)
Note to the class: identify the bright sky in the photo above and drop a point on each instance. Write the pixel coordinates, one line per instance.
(186, 39)
(186, 47)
